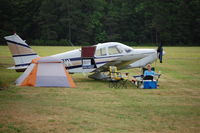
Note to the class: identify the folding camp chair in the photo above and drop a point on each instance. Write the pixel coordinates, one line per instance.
(147, 82)
(116, 78)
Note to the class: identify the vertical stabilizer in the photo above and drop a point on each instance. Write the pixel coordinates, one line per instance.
(21, 52)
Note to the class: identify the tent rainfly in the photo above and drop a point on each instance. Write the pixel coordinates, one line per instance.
(46, 72)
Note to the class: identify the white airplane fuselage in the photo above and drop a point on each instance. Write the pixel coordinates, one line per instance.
(73, 61)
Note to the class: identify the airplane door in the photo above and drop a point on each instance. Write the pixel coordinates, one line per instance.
(87, 55)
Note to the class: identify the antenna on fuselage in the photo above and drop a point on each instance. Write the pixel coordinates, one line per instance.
(71, 43)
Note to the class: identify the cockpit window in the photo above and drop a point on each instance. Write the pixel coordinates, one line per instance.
(101, 52)
(128, 50)
(114, 50)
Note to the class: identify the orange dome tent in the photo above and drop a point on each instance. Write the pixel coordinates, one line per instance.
(46, 72)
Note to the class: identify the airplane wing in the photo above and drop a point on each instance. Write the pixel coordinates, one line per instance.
(124, 64)
(120, 64)
(18, 68)
(143, 62)
(105, 67)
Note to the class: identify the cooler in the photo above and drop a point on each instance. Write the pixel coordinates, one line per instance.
(149, 84)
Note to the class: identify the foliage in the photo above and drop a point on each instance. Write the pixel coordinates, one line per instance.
(89, 22)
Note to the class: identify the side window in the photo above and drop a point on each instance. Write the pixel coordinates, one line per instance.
(114, 50)
(98, 52)
(101, 52)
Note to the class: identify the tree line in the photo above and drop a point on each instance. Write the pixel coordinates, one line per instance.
(88, 22)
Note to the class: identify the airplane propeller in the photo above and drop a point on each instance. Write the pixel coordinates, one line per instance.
(160, 51)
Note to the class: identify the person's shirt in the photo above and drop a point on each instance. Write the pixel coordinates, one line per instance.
(149, 73)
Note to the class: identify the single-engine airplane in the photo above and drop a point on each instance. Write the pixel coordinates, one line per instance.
(106, 54)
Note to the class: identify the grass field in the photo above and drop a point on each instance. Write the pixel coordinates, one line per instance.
(96, 108)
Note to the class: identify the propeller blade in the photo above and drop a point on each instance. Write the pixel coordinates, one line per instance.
(160, 51)
(160, 56)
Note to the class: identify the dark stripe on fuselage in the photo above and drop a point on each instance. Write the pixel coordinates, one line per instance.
(22, 64)
(108, 56)
(73, 67)
(68, 67)
(79, 58)
(71, 59)
(20, 44)
(77, 66)
(24, 55)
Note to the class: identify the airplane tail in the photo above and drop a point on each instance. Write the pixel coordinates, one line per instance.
(21, 52)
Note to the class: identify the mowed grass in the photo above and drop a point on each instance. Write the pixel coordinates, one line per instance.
(94, 107)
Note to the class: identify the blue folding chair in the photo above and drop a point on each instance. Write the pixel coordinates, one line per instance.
(147, 82)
